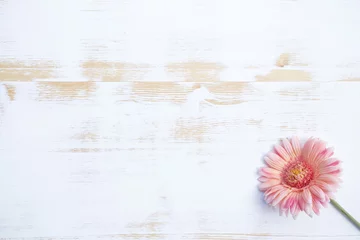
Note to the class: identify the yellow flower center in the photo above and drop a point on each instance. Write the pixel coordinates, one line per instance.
(297, 174)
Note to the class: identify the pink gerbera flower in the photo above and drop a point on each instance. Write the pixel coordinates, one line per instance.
(299, 178)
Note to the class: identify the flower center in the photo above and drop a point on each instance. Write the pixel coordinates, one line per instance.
(297, 174)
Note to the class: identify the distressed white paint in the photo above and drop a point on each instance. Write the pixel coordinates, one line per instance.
(116, 163)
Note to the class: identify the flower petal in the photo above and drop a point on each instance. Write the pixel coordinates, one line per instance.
(296, 212)
(301, 203)
(295, 209)
(280, 197)
(274, 161)
(328, 178)
(269, 198)
(263, 179)
(308, 146)
(273, 189)
(324, 186)
(308, 210)
(329, 170)
(318, 148)
(316, 191)
(278, 190)
(329, 162)
(283, 202)
(295, 142)
(325, 155)
(282, 153)
(269, 173)
(265, 185)
(333, 162)
(316, 207)
(290, 200)
(306, 195)
(288, 147)
(326, 201)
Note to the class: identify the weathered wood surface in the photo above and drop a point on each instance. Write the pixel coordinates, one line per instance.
(149, 119)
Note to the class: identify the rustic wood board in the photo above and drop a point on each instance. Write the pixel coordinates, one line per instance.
(149, 119)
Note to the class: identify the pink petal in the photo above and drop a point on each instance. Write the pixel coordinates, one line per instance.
(265, 185)
(270, 173)
(329, 162)
(280, 197)
(327, 178)
(324, 186)
(329, 169)
(296, 212)
(286, 202)
(290, 200)
(318, 148)
(326, 201)
(263, 179)
(301, 203)
(295, 142)
(276, 193)
(308, 146)
(269, 170)
(333, 162)
(274, 190)
(288, 147)
(325, 155)
(269, 198)
(295, 209)
(315, 207)
(317, 192)
(306, 195)
(308, 210)
(282, 204)
(274, 161)
(282, 153)
(336, 172)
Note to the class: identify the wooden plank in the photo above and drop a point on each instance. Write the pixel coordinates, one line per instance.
(149, 119)
(143, 168)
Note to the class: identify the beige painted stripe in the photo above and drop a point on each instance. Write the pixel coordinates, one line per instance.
(14, 70)
(227, 92)
(192, 131)
(65, 90)
(86, 136)
(161, 91)
(228, 88)
(114, 71)
(285, 75)
(193, 71)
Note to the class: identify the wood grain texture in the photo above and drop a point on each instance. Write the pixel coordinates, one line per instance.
(149, 119)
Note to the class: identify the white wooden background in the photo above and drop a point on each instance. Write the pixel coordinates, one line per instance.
(148, 119)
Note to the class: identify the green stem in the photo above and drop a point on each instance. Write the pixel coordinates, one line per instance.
(345, 213)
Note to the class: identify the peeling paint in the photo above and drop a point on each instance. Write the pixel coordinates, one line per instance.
(114, 71)
(11, 91)
(283, 60)
(160, 91)
(285, 75)
(65, 91)
(194, 71)
(27, 70)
